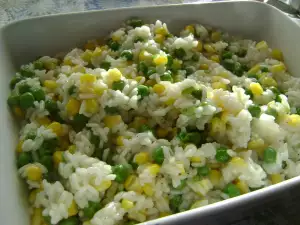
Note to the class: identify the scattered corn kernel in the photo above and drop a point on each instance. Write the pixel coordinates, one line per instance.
(199, 46)
(276, 178)
(177, 64)
(217, 126)
(154, 169)
(43, 121)
(98, 89)
(50, 84)
(111, 121)
(216, 36)
(162, 132)
(160, 60)
(170, 101)
(293, 120)
(257, 145)
(34, 173)
(268, 82)
(278, 68)
(120, 140)
(190, 28)
(144, 55)
(261, 45)
(159, 38)
(150, 82)
(57, 128)
(256, 88)
(87, 78)
(224, 116)
(141, 158)
(209, 48)
(19, 146)
(37, 217)
(195, 159)
(132, 184)
(215, 58)
(237, 161)
(159, 88)
(104, 185)
(215, 177)
(57, 158)
(73, 107)
(114, 75)
(148, 189)
(204, 66)
(219, 85)
(242, 186)
(73, 210)
(91, 106)
(161, 31)
(87, 55)
(139, 78)
(91, 45)
(68, 61)
(32, 195)
(78, 69)
(277, 54)
(126, 204)
(72, 149)
(254, 69)
(18, 112)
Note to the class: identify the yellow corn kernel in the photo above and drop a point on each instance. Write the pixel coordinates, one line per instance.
(217, 126)
(204, 66)
(104, 185)
(19, 146)
(218, 85)
(111, 121)
(87, 78)
(276, 178)
(224, 116)
(215, 176)
(43, 121)
(114, 75)
(50, 84)
(257, 145)
(215, 58)
(132, 184)
(37, 217)
(139, 78)
(160, 60)
(141, 158)
(261, 45)
(150, 83)
(170, 101)
(72, 149)
(293, 120)
(162, 132)
(159, 88)
(256, 88)
(254, 69)
(195, 159)
(180, 166)
(268, 82)
(32, 195)
(237, 161)
(278, 68)
(91, 106)
(18, 112)
(277, 54)
(159, 38)
(115, 37)
(144, 55)
(209, 48)
(177, 64)
(242, 186)
(57, 158)
(98, 89)
(78, 69)
(216, 36)
(154, 169)
(190, 28)
(127, 204)
(120, 140)
(68, 62)
(34, 173)
(72, 107)
(161, 31)
(223, 74)
(72, 210)
(164, 214)
(57, 128)
(91, 45)
(87, 55)
(148, 189)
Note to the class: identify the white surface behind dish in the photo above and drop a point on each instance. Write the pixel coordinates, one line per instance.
(23, 41)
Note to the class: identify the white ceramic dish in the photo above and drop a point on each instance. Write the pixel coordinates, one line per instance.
(22, 41)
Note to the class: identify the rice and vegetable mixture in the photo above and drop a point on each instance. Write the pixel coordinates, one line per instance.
(151, 124)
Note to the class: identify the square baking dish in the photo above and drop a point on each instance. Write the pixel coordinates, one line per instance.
(23, 41)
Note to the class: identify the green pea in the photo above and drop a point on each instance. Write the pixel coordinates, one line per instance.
(31, 135)
(24, 158)
(13, 100)
(105, 65)
(16, 79)
(142, 67)
(181, 185)
(26, 100)
(79, 121)
(166, 77)
(232, 190)
(26, 71)
(227, 55)
(158, 155)
(47, 161)
(272, 112)
(170, 61)
(113, 45)
(72, 90)
(111, 110)
(253, 75)
(74, 220)
(23, 88)
(270, 155)
(150, 72)
(144, 128)
(135, 22)
(51, 106)
(118, 85)
(122, 171)
(195, 58)
(91, 209)
(264, 69)
(221, 155)
(127, 54)
(51, 143)
(188, 91)
(179, 53)
(254, 110)
(38, 65)
(143, 90)
(203, 171)
(189, 70)
(38, 94)
(175, 202)
(249, 92)
(238, 69)
(193, 137)
(197, 94)
(228, 64)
